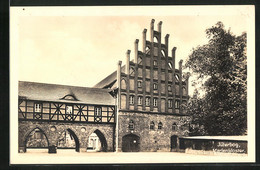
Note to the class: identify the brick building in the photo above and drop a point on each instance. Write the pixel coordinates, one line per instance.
(139, 107)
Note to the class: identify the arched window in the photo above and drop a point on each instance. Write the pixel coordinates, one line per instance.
(123, 84)
(139, 84)
(155, 86)
(169, 88)
(131, 125)
(184, 91)
(131, 99)
(155, 63)
(147, 101)
(170, 103)
(177, 104)
(174, 126)
(152, 125)
(160, 125)
(140, 100)
(155, 102)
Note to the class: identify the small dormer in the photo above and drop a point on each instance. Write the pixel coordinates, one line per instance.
(69, 97)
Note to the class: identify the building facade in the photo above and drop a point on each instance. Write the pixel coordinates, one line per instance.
(139, 107)
(152, 96)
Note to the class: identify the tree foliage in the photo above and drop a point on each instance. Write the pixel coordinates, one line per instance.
(221, 68)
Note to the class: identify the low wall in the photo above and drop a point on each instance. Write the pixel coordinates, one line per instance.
(213, 146)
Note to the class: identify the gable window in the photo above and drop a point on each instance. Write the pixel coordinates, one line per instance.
(169, 88)
(131, 100)
(139, 84)
(38, 107)
(147, 101)
(160, 125)
(170, 103)
(132, 71)
(140, 100)
(147, 50)
(174, 126)
(155, 86)
(152, 125)
(177, 104)
(69, 109)
(163, 53)
(139, 60)
(155, 102)
(170, 65)
(177, 78)
(131, 125)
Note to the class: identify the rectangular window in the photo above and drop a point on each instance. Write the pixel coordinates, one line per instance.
(38, 107)
(69, 109)
(98, 111)
(98, 114)
(155, 102)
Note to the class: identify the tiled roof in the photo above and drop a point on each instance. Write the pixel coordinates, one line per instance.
(54, 92)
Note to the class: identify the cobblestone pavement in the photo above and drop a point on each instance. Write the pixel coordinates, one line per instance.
(71, 157)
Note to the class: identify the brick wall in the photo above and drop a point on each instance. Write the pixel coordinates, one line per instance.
(151, 140)
(26, 127)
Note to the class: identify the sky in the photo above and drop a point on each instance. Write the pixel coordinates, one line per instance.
(81, 46)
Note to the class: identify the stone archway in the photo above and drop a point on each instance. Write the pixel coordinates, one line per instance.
(36, 138)
(131, 143)
(101, 141)
(65, 139)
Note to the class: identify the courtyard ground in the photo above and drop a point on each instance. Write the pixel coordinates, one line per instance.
(33, 156)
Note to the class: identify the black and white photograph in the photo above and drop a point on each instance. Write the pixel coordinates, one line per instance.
(132, 84)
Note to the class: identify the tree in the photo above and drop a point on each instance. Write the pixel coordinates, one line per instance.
(220, 68)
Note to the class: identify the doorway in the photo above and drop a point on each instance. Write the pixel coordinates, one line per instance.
(174, 143)
(131, 143)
